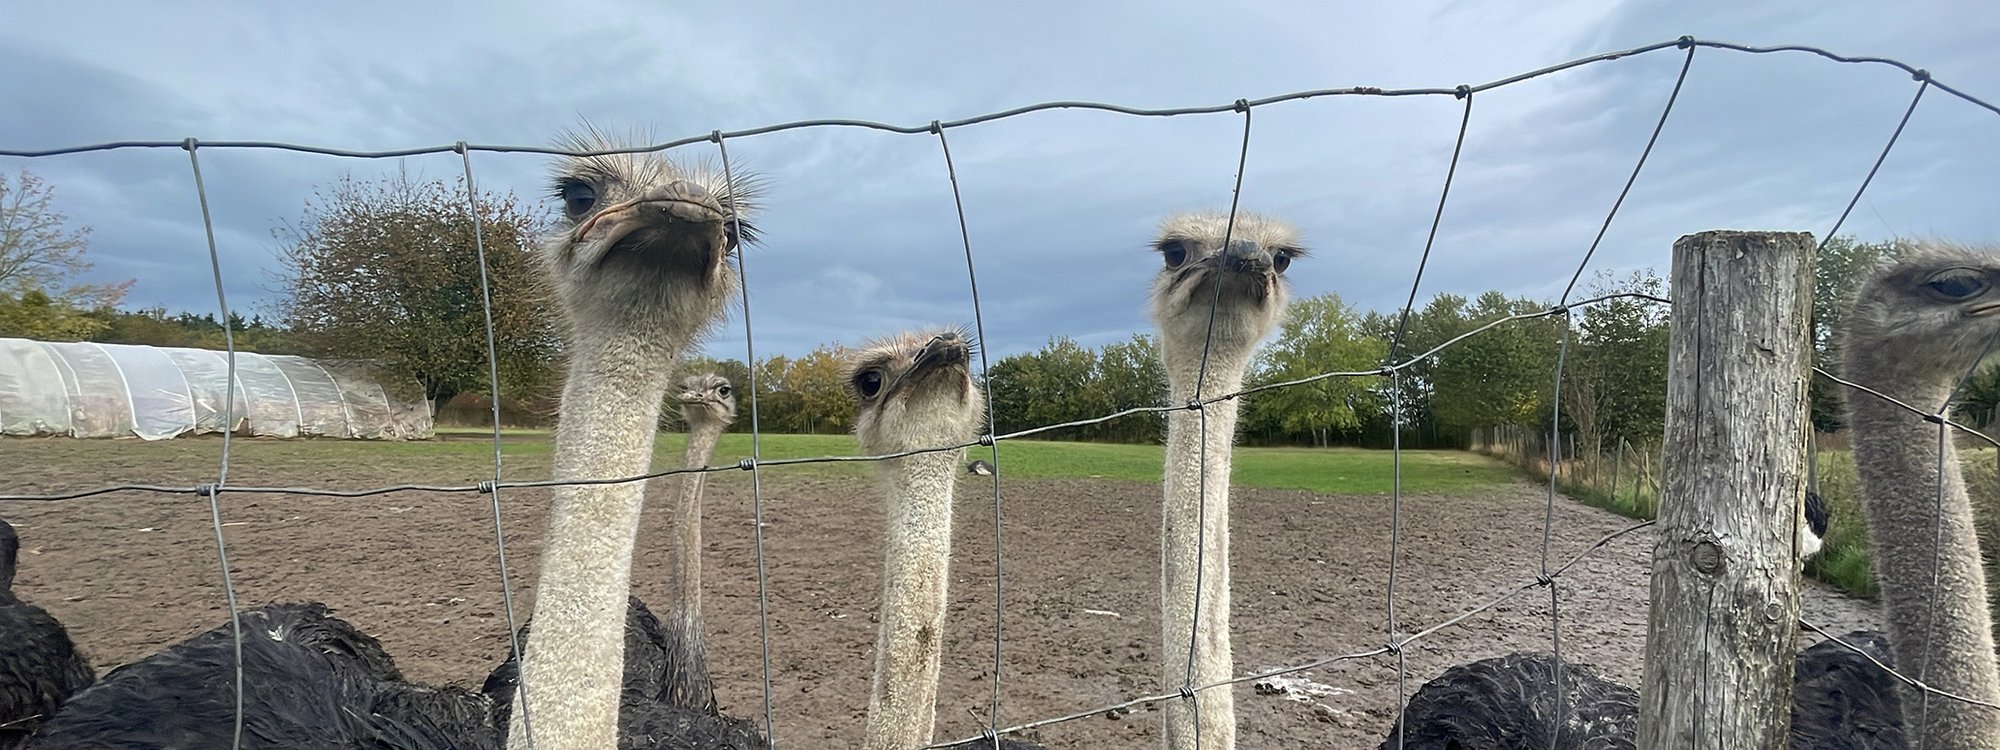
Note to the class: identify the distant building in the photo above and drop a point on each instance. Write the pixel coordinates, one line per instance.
(91, 390)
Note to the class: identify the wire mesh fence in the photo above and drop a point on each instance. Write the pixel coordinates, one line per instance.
(1635, 473)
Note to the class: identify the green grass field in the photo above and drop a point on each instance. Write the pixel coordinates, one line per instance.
(1843, 560)
(1327, 470)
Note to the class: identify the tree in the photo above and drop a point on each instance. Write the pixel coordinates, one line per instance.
(823, 404)
(40, 257)
(1615, 382)
(385, 271)
(1320, 334)
(1130, 374)
(1839, 268)
(33, 315)
(1055, 384)
(1501, 376)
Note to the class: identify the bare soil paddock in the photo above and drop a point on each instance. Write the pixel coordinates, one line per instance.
(132, 572)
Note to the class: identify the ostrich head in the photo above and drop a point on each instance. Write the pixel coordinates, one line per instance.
(707, 400)
(643, 242)
(1250, 270)
(914, 390)
(1932, 311)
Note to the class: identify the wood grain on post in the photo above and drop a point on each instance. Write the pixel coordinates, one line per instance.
(1725, 584)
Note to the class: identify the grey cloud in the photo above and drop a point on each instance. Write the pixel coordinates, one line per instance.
(862, 235)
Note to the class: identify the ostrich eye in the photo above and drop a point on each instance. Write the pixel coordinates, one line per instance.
(578, 197)
(723, 391)
(1281, 261)
(1174, 253)
(868, 383)
(1958, 284)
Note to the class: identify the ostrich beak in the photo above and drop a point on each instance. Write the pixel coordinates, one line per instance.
(1244, 256)
(665, 208)
(942, 350)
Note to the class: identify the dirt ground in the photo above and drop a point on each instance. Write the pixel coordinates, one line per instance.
(130, 573)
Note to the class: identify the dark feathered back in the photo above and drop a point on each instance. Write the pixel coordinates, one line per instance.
(310, 681)
(40, 667)
(1509, 703)
(1843, 701)
(10, 555)
(655, 708)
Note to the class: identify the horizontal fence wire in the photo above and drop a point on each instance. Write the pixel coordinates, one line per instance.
(1397, 642)
(1455, 91)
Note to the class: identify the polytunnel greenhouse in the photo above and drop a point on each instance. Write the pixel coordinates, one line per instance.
(91, 390)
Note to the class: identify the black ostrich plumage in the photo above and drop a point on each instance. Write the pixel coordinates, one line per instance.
(40, 667)
(1841, 701)
(656, 707)
(311, 681)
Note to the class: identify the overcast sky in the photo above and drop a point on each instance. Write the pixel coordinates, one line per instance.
(861, 238)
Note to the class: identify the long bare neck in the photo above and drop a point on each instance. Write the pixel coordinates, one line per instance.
(902, 701)
(1926, 556)
(1194, 545)
(573, 663)
(691, 685)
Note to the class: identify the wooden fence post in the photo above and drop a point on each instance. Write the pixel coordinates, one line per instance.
(1617, 464)
(1725, 589)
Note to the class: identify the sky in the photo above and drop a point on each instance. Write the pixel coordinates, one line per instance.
(861, 235)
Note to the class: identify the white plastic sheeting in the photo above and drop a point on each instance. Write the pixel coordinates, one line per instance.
(91, 390)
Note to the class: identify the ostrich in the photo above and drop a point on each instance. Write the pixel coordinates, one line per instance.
(1915, 328)
(708, 405)
(639, 270)
(39, 666)
(1219, 293)
(1812, 533)
(913, 390)
(310, 680)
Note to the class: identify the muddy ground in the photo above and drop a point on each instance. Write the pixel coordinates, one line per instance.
(132, 572)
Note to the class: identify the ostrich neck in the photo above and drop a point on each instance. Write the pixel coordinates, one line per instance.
(685, 568)
(1194, 547)
(1942, 634)
(573, 664)
(902, 700)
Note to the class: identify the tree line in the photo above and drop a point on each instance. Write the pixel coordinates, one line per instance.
(377, 269)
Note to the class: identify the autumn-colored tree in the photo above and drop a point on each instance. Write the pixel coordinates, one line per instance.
(385, 271)
(823, 404)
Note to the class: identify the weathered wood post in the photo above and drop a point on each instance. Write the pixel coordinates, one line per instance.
(1616, 465)
(1725, 589)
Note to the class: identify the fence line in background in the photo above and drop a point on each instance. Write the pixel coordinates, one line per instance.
(1393, 371)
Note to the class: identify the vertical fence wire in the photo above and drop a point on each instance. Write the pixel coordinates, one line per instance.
(985, 376)
(214, 492)
(1555, 400)
(1679, 81)
(1201, 379)
(1396, 408)
(493, 395)
(1548, 526)
(736, 236)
